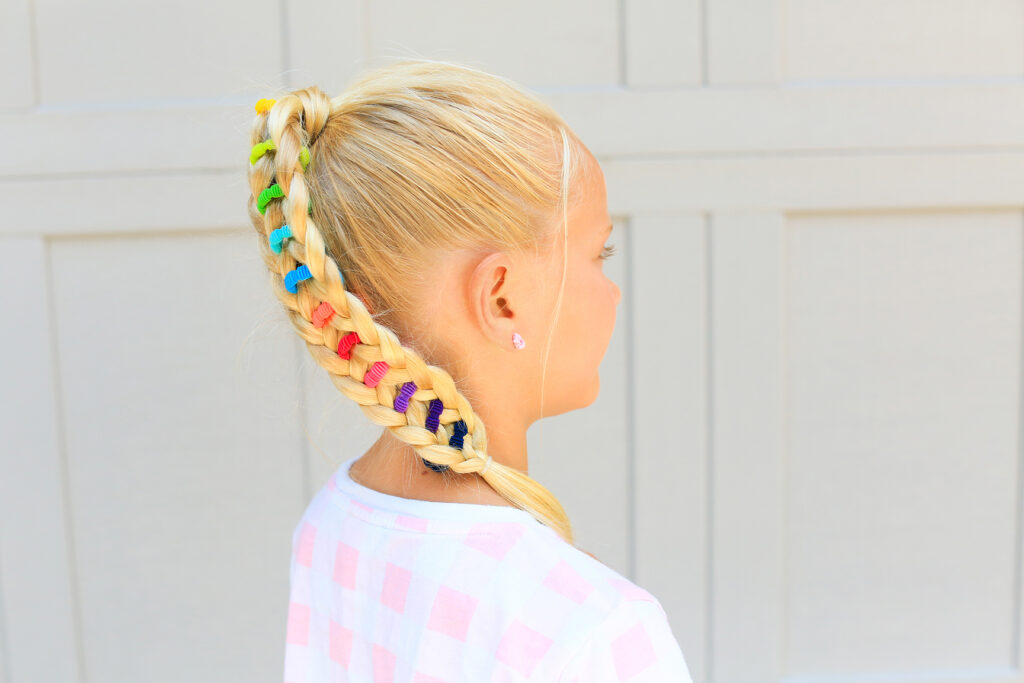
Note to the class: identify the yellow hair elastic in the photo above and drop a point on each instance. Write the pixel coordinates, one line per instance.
(264, 105)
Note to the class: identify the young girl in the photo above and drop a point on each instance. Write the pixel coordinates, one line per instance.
(437, 235)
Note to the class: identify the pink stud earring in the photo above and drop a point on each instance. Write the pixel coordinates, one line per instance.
(517, 341)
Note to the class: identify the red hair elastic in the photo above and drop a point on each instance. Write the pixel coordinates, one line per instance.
(346, 343)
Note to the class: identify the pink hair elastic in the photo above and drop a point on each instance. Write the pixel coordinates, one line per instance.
(373, 375)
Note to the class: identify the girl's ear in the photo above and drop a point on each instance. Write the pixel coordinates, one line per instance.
(490, 297)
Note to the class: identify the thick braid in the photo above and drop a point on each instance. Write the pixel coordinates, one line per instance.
(376, 370)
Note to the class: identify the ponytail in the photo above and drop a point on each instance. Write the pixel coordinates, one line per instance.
(416, 156)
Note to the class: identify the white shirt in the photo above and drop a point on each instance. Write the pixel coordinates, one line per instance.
(393, 589)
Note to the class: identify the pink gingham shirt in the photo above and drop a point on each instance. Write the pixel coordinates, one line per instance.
(392, 589)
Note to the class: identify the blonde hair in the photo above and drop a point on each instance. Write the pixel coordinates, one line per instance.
(414, 159)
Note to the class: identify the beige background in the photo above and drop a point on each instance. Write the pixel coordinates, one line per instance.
(808, 440)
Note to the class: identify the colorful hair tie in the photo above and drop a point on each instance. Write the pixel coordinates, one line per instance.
(404, 394)
(275, 192)
(272, 192)
(323, 314)
(279, 236)
(298, 275)
(346, 343)
(460, 431)
(373, 375)
(264, 105)
(436, 468)
(434, 414)
(261, 148)
(436, 406)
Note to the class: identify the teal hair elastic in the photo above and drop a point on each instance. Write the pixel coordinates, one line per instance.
(279, 236)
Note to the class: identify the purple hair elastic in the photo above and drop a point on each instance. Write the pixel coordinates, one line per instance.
(433, 417)
(404, 394)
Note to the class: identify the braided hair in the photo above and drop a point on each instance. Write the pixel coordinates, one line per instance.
(351, 197)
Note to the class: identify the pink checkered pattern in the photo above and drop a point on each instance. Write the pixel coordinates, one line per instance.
(389, 589)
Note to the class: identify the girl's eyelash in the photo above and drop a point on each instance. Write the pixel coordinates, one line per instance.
(608, 251)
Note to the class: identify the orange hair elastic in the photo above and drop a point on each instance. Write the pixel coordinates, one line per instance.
(323, 314)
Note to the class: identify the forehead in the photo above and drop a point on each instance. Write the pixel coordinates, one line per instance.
(589, 214)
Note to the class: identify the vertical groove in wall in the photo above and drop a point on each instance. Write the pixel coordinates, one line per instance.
(623, 75)
(1015, 656)
(33, 41)
(62, 463)
(367, 47)
(784, 452)
(286, 45)
(5, 652)
(704, 78)
(709, 377)
(782, 9)
(631, 431)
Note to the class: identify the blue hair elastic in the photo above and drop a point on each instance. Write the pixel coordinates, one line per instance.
(436, 468)
(298, 275)
(460, 431)
(279, 236)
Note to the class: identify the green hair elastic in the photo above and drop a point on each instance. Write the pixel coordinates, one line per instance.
(260, 148)
(275, 192)
(272, 192)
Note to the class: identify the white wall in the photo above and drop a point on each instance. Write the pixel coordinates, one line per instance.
(808, 439)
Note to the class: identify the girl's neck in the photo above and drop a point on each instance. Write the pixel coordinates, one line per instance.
(394, 467)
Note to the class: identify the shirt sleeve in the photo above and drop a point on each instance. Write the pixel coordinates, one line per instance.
(635, 644)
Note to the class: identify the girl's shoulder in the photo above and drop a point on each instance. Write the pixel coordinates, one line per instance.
(589, 621)
(490, 580)
(566, 571)
(483, 547)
